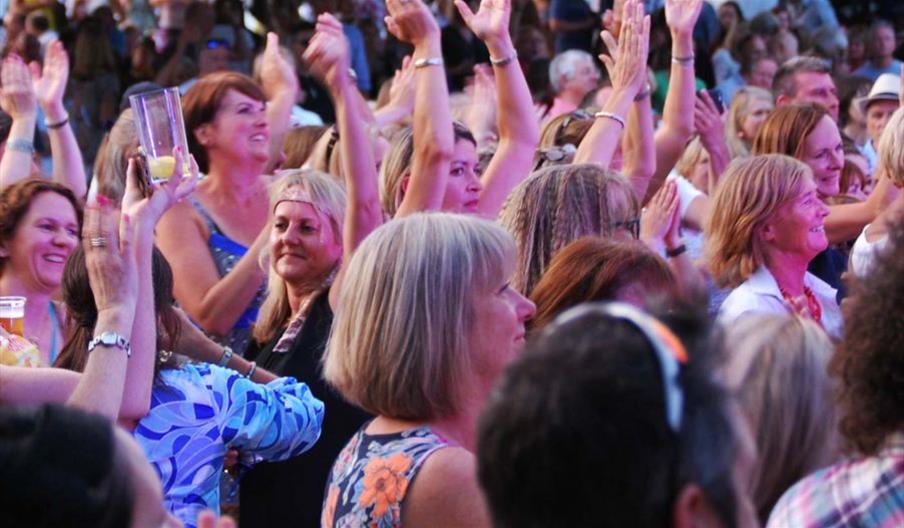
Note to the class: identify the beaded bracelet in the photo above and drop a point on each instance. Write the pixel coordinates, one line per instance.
(227, 355)
(499, 63)
(615, 117)
(251, 370)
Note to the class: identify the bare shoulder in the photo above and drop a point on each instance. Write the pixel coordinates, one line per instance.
(182, 222)
(445, 492)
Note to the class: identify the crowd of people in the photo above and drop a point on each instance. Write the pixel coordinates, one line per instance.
(454, 263)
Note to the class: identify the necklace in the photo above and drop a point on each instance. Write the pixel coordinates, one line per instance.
(812, 303)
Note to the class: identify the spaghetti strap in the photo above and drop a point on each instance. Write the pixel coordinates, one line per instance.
(54, 331)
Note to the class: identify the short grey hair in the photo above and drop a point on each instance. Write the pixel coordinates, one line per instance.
(565, 64)
(785, 83)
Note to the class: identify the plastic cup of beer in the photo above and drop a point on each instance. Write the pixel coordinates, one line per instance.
(12, 314)
(158, 119)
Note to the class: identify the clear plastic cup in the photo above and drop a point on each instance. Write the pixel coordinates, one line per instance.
(158, 120)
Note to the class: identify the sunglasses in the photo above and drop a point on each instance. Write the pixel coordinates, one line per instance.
(632, 225)
(670, 352)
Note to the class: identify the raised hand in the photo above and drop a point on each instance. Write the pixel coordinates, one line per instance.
(147, 210)
(277, 73)
(681, 15)
(401, 92)
(491, 22)
(110, 258)
(708, 120)
(411, 21)
(657, 220)
(49, 83)
(327, 56)
(17, 96)
(626, 62)
(612, 18)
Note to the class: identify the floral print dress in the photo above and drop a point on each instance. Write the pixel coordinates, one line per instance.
(372, 475)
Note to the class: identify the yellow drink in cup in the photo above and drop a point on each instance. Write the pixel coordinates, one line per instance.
(161, 168)
(12, 314)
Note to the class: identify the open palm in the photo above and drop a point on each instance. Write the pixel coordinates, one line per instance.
(491, 19)
(681, 15)
(49, 83)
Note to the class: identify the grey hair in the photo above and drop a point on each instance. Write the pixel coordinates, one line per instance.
(565, 64)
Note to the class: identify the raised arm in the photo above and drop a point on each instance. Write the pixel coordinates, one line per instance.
(401, 96)
(17, 98)
(112, 272)
(678, 113)
(145, 212)
(412, 22)
(846, 221)
(626, 64)
(708, 123)
(50, 86)
(637, 145)
(280, 84)
(519, 131)
(327, 57)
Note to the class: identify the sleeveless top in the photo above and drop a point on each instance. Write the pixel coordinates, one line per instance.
(226, 252)
(372, 475)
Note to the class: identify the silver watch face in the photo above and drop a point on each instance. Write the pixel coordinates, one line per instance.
(108, 338)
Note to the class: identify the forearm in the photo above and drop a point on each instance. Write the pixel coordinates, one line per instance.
(279, 113)
(362, 213)
(433, 136)
(68, 164)
(220, 306)
(638, 149)
(136, 397)
(101, 386)
(687, 276)
(16, 164)
(34, 386)
(719, 158)
(678, 112)
(599, 144)
(201, 348)
(519, 131)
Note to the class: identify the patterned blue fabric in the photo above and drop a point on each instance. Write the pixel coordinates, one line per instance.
(199, 410)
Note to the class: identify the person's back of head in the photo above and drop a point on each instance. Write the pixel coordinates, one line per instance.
(778, 369)
(602, 422)
(61, 468)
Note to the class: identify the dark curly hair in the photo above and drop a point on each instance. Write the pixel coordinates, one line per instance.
(869, 363)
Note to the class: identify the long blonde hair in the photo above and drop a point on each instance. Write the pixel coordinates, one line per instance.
(559, 204)
(329, 199)
(750, 192)
(779, 369)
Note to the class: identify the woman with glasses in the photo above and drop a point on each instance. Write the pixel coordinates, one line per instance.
(767, 223)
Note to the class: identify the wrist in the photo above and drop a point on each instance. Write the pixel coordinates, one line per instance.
(682, 45)
(429, 46)
(113, 319)
(54, 112)
(500, 47)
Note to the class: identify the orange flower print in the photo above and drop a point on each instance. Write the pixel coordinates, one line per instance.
(385, 482)
(329, 508)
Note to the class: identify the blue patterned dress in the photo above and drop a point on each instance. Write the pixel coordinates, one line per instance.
(199, 410)
(372, 475)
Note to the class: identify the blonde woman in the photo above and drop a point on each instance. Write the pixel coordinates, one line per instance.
(559, 204)
(427, 324)
(766, 224)
(749, 108)
(874, 237)
(778, 367)
(313, 223)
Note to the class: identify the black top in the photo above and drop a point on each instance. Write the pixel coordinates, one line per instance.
(828, 266)
(290, 493)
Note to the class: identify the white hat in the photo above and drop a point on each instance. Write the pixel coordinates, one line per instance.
(886, 88)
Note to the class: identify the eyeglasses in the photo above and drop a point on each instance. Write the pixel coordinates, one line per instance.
(577, 115)
(670, 352)
(632, 225)
(216, 43)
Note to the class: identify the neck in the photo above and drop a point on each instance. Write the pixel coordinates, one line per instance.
(297, 294)
(237, 181)
(788, 271)
(461, 428)
(882, 62)
(572, 97)
(12, 285)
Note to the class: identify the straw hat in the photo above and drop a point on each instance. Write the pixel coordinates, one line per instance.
(886, 88)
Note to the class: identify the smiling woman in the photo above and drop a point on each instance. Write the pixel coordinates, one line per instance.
(39, 227)
(767, 224)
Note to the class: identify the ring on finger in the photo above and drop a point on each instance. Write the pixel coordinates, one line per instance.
(98, 241)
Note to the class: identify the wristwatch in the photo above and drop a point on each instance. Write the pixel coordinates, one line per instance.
(111, 339)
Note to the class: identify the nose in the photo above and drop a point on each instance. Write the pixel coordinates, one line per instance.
(63, 239)
(526, 308)
(823, 209)
(474, 184)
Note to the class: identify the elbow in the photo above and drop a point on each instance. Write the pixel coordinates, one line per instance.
(135, 410)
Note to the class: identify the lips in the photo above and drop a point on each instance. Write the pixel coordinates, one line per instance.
(259, 137)
(55, 258)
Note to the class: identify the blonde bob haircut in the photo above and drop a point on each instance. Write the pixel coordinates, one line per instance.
(748, 194)
(741, 104)
(558, 205)
(891, 148)
(397, 164)
(399, 343)
(329, 200)
(779, 370)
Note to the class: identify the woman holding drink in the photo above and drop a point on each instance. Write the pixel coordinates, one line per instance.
(39, 227)
(215, 238)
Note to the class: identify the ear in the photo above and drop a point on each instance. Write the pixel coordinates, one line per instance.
(203, 134)
(782, 100)
(692, 509)
(767, 231)
(404, 185)
(3, 252)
